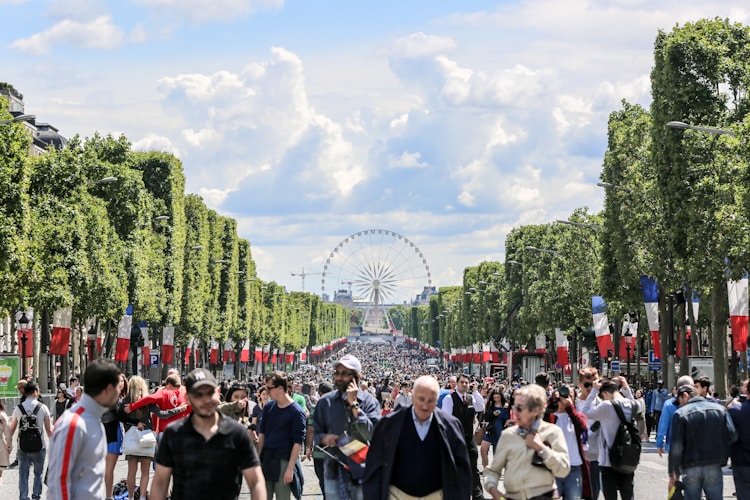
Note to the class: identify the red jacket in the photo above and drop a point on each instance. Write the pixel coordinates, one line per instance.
(165, 399)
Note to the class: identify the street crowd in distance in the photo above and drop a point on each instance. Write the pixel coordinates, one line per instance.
(378, 421)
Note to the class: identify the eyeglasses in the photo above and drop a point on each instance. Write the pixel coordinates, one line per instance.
(518, 408)
(342, 374)
(269, 387)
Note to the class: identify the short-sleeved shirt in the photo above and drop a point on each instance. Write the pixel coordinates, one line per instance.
(29, 405)
(206, 469)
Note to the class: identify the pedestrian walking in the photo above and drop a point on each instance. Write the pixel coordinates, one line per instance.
(702, 432)
(614, 391)
(531, 454)
(417, 452)
(31, 412)
(740, 449)
(207, 454)
(280, 437)
(79, 445)
(461, 404)
(348, 410)
(6, 440)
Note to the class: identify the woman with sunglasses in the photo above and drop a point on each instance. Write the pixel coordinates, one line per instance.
(532, 453)
(63, 401)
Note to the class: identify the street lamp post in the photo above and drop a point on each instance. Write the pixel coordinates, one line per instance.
(23, 323)
(709, 130)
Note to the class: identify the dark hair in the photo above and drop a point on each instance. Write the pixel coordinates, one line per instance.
(2, 405)
(462, 375)
(609, 386)
(542, 379)
(325, 388)
(703, 381)
(99, 375)
(30, 388)
(491, 395)
(278, 379)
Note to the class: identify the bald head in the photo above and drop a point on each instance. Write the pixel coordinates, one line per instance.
(427, 382)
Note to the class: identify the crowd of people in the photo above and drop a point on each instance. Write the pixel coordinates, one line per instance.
(378, 422)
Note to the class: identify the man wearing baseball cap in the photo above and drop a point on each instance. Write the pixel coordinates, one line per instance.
(345, 410)
(207, 453)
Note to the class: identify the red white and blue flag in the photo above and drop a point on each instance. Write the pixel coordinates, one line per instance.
(213, 352)
(651, 301)
(60, 340)
(601, 325)
(738, 313)
(561, 346)
(123, 335)
(167, 345)
(145, 350)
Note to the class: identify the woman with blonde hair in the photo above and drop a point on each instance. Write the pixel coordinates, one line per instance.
(141, 418)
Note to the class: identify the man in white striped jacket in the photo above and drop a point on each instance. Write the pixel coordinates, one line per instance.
(78, 445)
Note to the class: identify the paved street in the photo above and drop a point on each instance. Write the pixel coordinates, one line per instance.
(650, 478)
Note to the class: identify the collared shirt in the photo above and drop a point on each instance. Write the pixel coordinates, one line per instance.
(206, 469)
(422, 428)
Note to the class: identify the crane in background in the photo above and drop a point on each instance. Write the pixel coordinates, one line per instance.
(302, 274)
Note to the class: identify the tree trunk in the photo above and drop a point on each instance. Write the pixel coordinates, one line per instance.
(719, 336)
(665, 330)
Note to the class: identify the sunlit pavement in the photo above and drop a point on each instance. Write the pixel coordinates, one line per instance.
(650, 478)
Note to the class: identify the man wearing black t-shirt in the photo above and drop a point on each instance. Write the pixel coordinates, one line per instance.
(207, 454)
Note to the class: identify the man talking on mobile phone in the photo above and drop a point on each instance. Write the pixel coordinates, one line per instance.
(349, 411)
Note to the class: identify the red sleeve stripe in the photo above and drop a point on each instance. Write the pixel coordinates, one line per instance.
(68, 448)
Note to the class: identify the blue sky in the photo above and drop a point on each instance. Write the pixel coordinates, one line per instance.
(449, 123)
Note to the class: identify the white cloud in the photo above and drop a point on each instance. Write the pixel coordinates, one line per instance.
(98, 34)
(209, 10)
(406, 160)
(154, 142)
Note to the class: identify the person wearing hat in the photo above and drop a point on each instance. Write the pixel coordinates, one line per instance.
(659, 396)
(345, 410)
(207, 454)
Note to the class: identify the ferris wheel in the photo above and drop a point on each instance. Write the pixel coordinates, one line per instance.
(373, 269)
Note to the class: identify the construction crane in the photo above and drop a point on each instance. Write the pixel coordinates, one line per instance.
(302, 274)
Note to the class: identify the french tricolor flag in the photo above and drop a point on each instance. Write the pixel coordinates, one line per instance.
(189, 351)
(228, 351)
(696, 305)
(738, 313)
(123, 335)
(213, 353)
(601, 325)
(167, 345)
(245, 352)
(60, 341)
(145, 350)
(561, 346)
(651, 301)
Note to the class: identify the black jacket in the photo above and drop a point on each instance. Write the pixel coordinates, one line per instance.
(455, 468)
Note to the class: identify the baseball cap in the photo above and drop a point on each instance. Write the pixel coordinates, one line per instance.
(198, 378)
(350, 362)
(661, 382)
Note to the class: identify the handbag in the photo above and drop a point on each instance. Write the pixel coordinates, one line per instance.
(131, 443)
(147, 438)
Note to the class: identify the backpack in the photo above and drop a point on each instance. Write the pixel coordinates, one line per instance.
(29, 431)
(625, 452)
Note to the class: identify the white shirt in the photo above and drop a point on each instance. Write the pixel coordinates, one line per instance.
(563, 421)
(478, 402)
(29, 405)
(448, 402)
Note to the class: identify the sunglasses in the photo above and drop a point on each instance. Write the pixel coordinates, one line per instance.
(518, 408)
(588, 385)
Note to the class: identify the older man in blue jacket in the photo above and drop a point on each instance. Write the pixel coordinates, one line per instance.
(418, 451)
